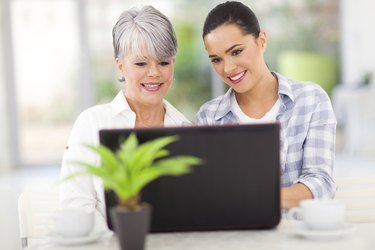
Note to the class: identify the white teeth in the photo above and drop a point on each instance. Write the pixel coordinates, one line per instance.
(235, 78)
(151, 86)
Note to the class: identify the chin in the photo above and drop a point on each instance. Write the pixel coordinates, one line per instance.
(153, 101)
(241, 89)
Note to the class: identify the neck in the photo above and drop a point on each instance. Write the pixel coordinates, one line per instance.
(147, 115)
(260, 99)
(265, 89)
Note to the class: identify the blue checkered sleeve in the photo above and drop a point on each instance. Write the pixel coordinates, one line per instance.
(319, 151)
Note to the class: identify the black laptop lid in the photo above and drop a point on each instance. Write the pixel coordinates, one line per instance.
(237, 187)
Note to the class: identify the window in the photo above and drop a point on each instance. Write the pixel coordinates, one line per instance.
(46, 59)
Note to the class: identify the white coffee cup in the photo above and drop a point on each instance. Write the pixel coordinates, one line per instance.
(321, 214)
(73, 222)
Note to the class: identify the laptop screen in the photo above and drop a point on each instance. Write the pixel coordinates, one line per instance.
(237, 186)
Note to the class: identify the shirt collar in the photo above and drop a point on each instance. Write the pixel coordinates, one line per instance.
(285, 90)
(120, 105)
(224, 106)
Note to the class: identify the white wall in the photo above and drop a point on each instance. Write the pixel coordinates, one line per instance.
(8, 116)
(3, 124)
(358, 39)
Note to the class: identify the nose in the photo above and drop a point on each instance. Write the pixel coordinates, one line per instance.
(153, 70)
(229, 66)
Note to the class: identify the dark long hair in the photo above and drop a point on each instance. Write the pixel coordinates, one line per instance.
(232, 12)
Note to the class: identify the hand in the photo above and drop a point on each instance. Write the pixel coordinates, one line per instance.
(293, 195)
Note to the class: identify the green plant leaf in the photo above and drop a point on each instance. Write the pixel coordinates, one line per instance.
(102, 173)
(92, 169)
(134, 165)
(149, 151)
(128, 148)
(108, 159)
(176, 166)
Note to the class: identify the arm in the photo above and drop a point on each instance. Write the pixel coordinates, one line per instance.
(81, 190)
(293, 195)
(315, 180)
(201, 117)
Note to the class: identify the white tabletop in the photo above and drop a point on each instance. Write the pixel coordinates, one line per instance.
(282, 237)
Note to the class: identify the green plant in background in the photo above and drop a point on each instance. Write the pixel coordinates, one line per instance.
(307, 25)
(367, 78)
(106, 89)
(191, 85)
(128, 170)
(304, 45)
(309, 66)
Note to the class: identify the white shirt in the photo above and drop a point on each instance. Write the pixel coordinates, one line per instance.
(270, 116)
(86, 191)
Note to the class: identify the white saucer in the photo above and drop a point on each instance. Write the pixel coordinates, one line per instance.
(63, 240)
(303, 231)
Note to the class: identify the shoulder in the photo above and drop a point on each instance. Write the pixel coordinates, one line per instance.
(95, 114)
(311, 98)
(215, 109)
(308, 90)
(104, 112)
(308, 99)
(206, 113)
(302, 92)
(89, 121)
(212, 104)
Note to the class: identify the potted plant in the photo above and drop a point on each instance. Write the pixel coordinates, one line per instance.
(126, 172)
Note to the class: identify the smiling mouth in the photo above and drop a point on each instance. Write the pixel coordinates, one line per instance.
(151, 87)
(236, 78)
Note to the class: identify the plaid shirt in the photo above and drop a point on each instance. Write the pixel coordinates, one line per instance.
(308, 130)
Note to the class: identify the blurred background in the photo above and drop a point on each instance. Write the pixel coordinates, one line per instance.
(56, 59)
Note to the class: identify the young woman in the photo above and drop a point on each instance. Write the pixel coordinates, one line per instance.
(236, 45)
(145, 46)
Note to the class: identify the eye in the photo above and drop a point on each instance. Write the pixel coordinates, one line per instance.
(141, 64)
(165, 63)
(215, 60)
(236, 52)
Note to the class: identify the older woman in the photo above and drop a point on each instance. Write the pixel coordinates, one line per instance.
(145, 46)
(236, 45)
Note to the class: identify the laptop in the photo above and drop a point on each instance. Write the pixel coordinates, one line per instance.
(237, 187)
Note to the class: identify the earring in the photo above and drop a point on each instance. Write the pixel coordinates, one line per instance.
(121, 79)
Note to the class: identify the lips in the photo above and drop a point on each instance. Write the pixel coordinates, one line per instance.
(151, 86)
(236, 78)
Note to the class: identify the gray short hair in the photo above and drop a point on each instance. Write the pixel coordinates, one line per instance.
(144, 30)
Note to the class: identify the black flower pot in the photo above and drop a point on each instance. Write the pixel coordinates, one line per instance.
(131, 227)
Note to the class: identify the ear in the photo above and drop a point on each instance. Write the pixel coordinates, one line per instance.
(262, 40)
(120, 64)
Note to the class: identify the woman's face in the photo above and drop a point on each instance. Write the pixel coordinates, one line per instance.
(146, 80)
(236, 57)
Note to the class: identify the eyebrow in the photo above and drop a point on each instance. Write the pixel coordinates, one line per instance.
(226, 51)
(139, 58)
